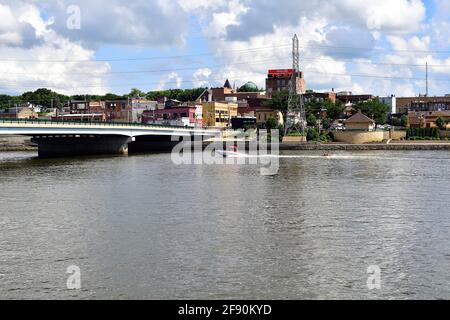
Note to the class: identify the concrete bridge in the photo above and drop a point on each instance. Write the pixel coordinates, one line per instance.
(63, 138)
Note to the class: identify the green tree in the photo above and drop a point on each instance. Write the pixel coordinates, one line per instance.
(334, 110)
(5, 101)
(374, 109)
(279, 101)
(112, 96)
(136, 93)
(404, 120)
(313, 107)
(441, 123)
(183, 95)
(326, 123)
(271, 123)
(87, 97)
(400, 122)
(44, 97)
(313, 135)
(311, 120)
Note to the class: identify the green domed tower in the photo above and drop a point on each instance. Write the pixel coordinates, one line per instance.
(249, 87)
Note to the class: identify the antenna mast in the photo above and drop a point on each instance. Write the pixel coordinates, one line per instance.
(426, 78)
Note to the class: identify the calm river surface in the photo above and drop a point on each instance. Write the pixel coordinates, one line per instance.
(142, 227)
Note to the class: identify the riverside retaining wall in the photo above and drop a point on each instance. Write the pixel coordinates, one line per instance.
(365, 147)
(361, 137)
(358, 137)
(290, 139)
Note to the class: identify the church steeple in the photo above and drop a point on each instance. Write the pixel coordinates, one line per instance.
(227, 85)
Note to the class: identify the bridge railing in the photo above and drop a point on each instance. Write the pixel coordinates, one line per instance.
(93, 123)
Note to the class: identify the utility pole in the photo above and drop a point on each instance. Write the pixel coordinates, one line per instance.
(57, 107)
(426, 78)
(130, 110)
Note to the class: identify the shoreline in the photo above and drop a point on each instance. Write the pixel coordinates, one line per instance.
(290, 146)
(17, 148)
(406, 145)
(16, 143)
(393, 146)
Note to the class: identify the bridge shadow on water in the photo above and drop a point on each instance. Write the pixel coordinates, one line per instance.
(10, 161)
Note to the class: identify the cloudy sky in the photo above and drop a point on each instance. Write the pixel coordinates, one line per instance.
(100, 46)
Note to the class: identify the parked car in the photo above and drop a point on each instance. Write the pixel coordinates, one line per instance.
(337, 127)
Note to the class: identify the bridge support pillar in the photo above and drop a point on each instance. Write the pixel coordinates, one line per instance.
(60, 146)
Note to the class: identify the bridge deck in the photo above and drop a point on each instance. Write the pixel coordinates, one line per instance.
(36, 127)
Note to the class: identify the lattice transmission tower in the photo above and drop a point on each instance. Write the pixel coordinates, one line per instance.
(296, 104)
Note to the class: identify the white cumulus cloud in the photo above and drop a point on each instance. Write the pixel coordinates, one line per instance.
(39, 60)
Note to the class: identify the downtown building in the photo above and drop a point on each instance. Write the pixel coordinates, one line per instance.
(280, 80)
(422, 103)
(223, 104)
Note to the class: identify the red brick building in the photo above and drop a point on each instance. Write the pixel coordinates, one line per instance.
(319, 96)
(117, 111)
(350, 99)
(280, 80)
(427, 119)
(405, 104)
(185, 115)
(251, 106)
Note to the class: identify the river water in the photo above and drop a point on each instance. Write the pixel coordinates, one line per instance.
(140, 227)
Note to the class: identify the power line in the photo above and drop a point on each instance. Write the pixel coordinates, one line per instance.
(374, 76)
(243, 79)
(144, 58)
(154, 71)
(374, 49)
(226, 65)
(305, 46)
(379, 63)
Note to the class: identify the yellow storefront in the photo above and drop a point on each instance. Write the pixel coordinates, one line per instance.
(265, 114)
(218, 114)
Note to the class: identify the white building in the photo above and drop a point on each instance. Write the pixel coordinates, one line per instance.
(198, 111)
(391, 102)
(138, 106)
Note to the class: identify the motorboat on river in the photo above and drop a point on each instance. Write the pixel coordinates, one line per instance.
(232, 152)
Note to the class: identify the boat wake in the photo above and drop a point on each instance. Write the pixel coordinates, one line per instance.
(325, 156)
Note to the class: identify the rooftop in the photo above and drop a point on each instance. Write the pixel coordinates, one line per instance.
(359, 118)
